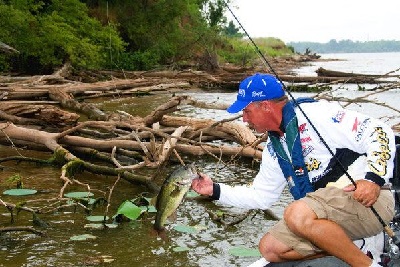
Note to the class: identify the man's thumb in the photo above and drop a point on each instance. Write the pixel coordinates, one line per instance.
(349, 188)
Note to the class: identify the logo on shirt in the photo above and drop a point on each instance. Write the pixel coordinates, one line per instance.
(307, 150)
(299, 171)
(339, 117)
(361, 129)
(313, 164)
(355, 125)
(305, 139)
(317, 178)
(303, 128)
(271, 150)
(379, 166)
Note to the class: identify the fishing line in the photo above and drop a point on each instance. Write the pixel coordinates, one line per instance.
(388, 230)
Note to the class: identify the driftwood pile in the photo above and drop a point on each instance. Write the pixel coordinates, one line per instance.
(43, 112)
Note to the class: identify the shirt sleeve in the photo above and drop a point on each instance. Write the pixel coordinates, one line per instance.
(342, 128)
(265, 190)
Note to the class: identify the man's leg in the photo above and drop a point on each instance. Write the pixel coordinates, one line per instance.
(325, 234)
(275, 251)
(277, 245)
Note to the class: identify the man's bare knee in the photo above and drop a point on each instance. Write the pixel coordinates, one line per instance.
(298, 216)
(272, 249)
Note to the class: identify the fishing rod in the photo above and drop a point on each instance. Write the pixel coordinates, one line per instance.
(387, 229)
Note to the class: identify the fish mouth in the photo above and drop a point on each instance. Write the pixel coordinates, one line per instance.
(188, 180)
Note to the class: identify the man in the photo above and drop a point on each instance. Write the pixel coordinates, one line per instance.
(329, 212)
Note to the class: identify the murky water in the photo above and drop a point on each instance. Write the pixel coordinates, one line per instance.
(135, 243)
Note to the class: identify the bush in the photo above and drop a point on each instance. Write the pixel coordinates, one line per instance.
(54, 33)
(138, 60)
(242, 52)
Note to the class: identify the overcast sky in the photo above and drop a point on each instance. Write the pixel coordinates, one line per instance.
(319, 20)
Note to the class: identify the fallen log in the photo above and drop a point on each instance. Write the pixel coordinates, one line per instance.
(323, 79)
(7, 49)
(333, 73)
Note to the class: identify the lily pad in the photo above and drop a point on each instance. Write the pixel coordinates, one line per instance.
(78, 194)
(96, 218)
(186, 229)
(244, 252)
(192, 194)
(20, 192)
(82, 237)
(129, 210)
(180, 249)
(149, 209)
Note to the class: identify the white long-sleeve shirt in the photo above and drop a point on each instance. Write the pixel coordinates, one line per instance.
(365, 145)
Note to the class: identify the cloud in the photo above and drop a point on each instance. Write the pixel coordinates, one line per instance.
(319, 21)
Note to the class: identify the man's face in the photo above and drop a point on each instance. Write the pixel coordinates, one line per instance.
(263, 116)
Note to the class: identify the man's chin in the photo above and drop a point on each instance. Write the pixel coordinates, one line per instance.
(251, 127)
(254, 129)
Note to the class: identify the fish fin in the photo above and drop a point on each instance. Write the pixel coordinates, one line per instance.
(153, 201)
(173, 216)
(175, 192)
(162, 233)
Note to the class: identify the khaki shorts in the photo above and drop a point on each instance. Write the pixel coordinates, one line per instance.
(336, 205)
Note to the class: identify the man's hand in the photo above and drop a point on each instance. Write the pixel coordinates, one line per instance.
(203, 185)
(366, 193)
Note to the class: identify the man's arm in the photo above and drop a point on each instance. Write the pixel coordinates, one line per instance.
(265, 189)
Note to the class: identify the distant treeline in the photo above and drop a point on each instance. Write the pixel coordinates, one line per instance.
(37, 37)
(346, 46)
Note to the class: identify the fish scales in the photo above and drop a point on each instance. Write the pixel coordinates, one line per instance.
(172, 193)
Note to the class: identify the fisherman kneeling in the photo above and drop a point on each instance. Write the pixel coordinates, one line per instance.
(330, 210)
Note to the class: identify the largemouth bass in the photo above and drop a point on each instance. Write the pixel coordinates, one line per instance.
(172, 192)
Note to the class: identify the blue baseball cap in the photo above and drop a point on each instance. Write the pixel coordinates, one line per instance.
(258, 87)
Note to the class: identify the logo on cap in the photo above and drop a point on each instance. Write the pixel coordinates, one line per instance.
(242, 92)
(258, 94)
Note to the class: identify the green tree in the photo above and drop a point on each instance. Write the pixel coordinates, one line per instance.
(161, 32)
(232, 30)
(50, 33)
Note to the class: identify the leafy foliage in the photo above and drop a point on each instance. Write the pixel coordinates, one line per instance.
(50, 33)
(16, 180)
(116, 34)
(241, 52)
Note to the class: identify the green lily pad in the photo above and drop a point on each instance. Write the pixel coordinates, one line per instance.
(192, 194)
(180, 249)
(20, 192)
(244, 252)
(82, 237)
(186, 229)
(78, 194)
(129, 210)
(96, 218)
(149, 209)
